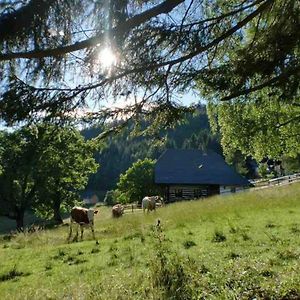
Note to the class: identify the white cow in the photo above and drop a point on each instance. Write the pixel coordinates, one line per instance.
(149, 202)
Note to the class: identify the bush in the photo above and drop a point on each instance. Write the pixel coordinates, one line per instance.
(219, 237)
(137, 182)
(188, 244)
(171, 275)
(110, 198)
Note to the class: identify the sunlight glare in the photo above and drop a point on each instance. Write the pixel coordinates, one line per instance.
(107, 58)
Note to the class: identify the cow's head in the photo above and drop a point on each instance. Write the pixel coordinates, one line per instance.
(159, 200)
(91, 212)
(96, 211)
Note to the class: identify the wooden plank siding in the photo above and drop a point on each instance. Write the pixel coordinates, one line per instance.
(188, 192)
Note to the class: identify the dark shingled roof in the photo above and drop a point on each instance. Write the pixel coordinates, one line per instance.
(176, 166)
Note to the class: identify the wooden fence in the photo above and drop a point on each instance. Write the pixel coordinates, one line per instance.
(263, 183)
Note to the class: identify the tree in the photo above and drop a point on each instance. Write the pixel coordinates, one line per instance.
(161, 47)
(266, 127)
(254, 88)
(291, 165)
(64, 168)
(17, 185)
(244, 53)
(137, 182)
(44, 166)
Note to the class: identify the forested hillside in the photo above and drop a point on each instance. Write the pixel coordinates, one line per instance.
(124, 149)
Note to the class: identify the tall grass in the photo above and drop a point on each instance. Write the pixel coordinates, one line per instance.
(241, 246)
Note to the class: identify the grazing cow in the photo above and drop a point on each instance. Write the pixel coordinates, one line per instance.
(149, 203)
(84, 218)
(117, 210)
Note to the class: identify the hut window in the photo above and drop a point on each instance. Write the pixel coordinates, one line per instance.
(178, 193)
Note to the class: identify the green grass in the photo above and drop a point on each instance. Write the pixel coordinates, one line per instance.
(243, 246)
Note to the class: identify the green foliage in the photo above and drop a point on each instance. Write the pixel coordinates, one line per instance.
(291, 165)
(219, 237)
(59, 180)
(110, 198)
(246, 51)
(11, 274)
(262, 170)
(257, 81)
(188, 244)
(17, 181)
(265, 127)
(44, 166)
(238, 160)
(137, 182)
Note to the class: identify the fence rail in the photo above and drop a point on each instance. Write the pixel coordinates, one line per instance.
(288, 178)
(276, 181)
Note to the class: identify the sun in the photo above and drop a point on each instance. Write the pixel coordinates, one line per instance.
(107, 58)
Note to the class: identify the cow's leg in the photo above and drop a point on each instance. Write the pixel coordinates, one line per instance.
(93, 231)
(70, 233)
(81, 228)
(76, 236)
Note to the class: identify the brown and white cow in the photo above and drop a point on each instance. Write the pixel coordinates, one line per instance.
(117, 210)
(150, 203)
(82, 217)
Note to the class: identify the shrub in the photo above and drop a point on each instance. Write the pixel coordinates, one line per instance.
(188, 244)
(233, 255)
(110, 198)
(11, 274)
(219, 237)
(171, 276)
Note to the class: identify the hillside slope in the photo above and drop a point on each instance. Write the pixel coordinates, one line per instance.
(242, 246)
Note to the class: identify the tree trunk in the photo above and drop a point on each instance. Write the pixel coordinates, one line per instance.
(56, 210)
(20, 219)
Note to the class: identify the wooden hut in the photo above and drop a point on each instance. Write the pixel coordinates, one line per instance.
(191, 174)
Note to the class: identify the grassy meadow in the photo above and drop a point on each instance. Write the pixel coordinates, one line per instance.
(242, 246)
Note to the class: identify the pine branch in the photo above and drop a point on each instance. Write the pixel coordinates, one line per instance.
(171, 63)
(271, 82)
(163, 8)
(17, 21)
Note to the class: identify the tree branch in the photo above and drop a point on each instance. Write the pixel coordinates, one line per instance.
(296, 118)
(16, 21)
(223, 16)
(129, 24)
(181, 59)
(264, 84)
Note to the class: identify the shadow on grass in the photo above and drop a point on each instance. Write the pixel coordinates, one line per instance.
(12, 274)
(32, 223)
